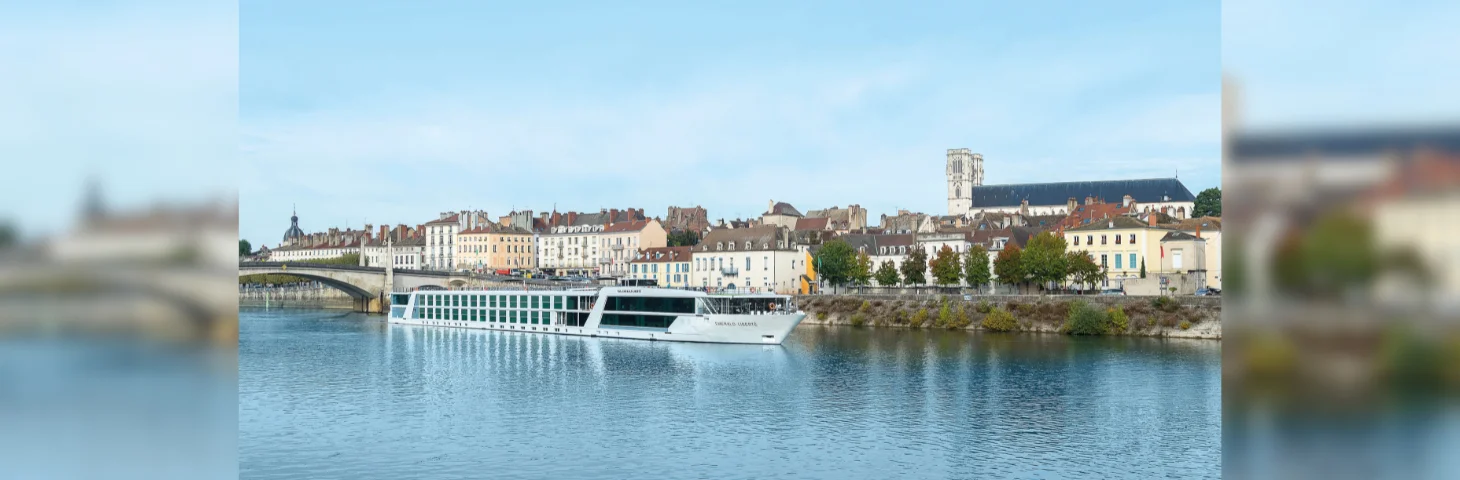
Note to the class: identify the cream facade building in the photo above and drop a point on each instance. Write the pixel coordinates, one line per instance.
(491, 247)
(620, 241)
(760, 259)
(566, 250)
(669, 266)
(1119, 245)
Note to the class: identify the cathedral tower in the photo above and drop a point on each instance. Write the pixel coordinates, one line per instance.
(965, 171)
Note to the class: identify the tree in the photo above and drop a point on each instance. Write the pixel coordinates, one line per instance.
(8, 236)
(915, 268)
(1083, 269)
(1043, 259)
(244, 249)
(887, 274)
(976, 267)
(861, 269)
(946, 269)
(834, 262)
(1143, 267)
(1208, 203)
(1007, 266)
(683, 238)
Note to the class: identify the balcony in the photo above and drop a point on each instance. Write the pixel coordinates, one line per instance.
(618, 248)
(729, 271)
(604, 260)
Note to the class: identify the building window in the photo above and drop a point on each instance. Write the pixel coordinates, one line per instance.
(1089, 239)
(1132, 260)
(1102, 239)
(1117, 239)
(1077, 240)
(766, 262)
(1103, 262)
(1117, 259)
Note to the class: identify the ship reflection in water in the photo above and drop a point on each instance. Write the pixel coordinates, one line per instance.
(337, 394)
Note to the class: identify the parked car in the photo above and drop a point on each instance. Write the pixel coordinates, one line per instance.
(1205, 292)
(1112, 291)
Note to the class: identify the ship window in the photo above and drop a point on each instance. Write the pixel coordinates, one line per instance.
(572, 303)
(512, 316)
(534, 301)
(455, 314)
(558, 302)
(493, 300)
(650, 321)
(456, 300)
(535, 317)
(513, 301)
(651, 304)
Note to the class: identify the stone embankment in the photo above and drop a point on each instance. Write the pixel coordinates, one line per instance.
(1177, 317)
(301, 297)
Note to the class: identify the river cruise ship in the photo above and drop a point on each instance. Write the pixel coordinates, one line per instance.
(646, 313)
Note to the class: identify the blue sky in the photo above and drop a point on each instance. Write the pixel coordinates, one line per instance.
(390, 113)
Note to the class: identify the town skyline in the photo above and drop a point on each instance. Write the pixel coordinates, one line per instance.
(810, 108)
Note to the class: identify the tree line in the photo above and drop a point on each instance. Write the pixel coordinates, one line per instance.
(1044, 263)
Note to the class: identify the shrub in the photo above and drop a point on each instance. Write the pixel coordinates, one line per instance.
(866, 305)
(945, 316)
(1025, 309)
(1085, 320)
(821, 316)
(999, 320)
(1165, 304)
(1119, 322)
(919, 318)
(1185, 325)
(858, 319)
(984, 307)
(961, 320)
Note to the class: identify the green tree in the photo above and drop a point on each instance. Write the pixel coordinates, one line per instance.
(1082, 269)
(683, 238)
(1208, 203)
(1143, 267)
(861, 269)
(1007, 266)
(946, 268)
(887, 275)
(8, 236)
(1043, 260)
(976, 267)
(835, 262)
(915, 268)
(346, 259)
(244, 249)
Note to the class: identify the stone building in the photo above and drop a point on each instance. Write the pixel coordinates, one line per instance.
(687, 219)
(842, 220)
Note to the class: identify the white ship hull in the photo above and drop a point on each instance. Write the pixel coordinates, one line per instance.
(749, 325)
(757, 329)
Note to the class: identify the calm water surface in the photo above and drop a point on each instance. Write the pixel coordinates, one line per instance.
(328, 394)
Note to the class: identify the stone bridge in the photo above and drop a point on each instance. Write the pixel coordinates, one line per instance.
(370, 286)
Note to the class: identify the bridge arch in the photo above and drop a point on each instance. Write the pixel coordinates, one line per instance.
(353, 290)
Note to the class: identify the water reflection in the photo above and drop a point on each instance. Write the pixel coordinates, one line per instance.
(324, 394)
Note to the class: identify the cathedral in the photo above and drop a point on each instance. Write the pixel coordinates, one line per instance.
(968, 196)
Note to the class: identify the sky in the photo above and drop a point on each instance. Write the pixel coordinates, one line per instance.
(140, 95)
(391, 113)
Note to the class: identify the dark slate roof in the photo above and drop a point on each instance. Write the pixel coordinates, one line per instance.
(1145, 190)
(1178, 235)
(783, 208)
(1340, 144)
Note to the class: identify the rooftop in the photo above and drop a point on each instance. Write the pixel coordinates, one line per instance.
(1143, 190)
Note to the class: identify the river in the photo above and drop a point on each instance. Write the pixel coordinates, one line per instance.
(331, 394)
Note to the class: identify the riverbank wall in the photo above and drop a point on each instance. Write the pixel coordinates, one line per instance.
(311, 297)
(1176, 317)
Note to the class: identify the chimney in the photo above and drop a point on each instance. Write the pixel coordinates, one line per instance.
(1071, 204)
(1024, 207)
(1126, 201)
(1089, 200)
(1198, 230)
(1151, 219)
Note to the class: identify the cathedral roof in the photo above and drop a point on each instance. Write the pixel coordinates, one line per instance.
(1143, 190)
